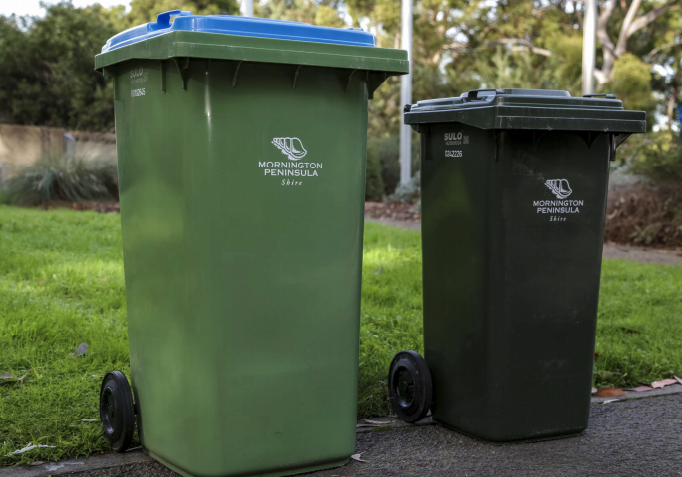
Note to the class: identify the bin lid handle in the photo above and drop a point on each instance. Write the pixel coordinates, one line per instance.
(163, 19)
(603, 95)
(473, 94)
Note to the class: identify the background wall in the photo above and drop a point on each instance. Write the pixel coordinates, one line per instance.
(22, 146)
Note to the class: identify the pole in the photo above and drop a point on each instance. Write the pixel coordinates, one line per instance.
(248, 8)
(406, 95)
(589, 48)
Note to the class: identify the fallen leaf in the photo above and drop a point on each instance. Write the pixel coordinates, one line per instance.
(356, 457)
(378, 271)
(103, 279)
(81, 350)
(610, 392)
(610, 400)
(640, 389)
(366, 425)
(596, 355)
(629, 331)
(6, 376)
(678, 379)
(26, 449)
(38, 462)
(662, 383)
(594, 390)
(21, 378)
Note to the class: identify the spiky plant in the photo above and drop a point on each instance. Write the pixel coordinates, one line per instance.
(57, 179)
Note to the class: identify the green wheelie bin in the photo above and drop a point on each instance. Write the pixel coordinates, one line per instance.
(514, 185)
(241, 154)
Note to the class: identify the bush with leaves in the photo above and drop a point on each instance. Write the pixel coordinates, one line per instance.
(658, 156)
(647, 209)
(384, 153)
(56, 179)
(409, 193)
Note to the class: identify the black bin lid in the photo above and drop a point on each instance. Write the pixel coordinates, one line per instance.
(534, 109)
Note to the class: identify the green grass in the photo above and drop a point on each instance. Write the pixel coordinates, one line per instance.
(639, 326)
(61, 284)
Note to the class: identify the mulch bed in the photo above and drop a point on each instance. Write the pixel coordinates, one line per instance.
(395, 211)
(102, 207)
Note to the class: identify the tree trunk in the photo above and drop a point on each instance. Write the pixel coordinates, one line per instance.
(671, 108)
(631, 24)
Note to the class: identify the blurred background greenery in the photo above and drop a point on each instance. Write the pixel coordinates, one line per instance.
(46, 63)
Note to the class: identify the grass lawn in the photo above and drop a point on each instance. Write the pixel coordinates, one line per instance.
(61, 284)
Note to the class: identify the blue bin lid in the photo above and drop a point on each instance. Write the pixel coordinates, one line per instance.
(241, 26)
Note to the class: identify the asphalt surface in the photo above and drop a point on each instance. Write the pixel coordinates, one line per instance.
(630, 438)
(641, 437)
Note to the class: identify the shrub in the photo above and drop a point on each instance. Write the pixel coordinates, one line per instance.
(640, 214)
(647, 211)
(409, 193)
(386, 152)
(658, 157)
(56, 179)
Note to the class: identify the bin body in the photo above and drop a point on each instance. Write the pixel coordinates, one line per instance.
(242, 191)
(512, 233)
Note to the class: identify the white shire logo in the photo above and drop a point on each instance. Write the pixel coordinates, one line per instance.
(559, 188)
(290, 147)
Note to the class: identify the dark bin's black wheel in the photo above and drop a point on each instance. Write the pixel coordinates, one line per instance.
(116, 410)
(409, 386)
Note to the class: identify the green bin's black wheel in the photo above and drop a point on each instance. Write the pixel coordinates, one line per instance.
(410, 388)
(117, 411)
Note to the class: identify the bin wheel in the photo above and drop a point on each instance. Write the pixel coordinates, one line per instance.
(410, 388)
(117, 411)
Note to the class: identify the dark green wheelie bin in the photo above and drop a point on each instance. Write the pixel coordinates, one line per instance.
(241, 155)
(514, 185)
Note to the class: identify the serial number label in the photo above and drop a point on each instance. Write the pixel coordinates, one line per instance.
(453, 153)
(137, 92)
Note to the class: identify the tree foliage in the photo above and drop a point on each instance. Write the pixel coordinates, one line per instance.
(143, 11)
(46, 63)
(46, 66)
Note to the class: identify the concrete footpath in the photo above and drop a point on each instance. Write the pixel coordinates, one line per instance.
(639, 434)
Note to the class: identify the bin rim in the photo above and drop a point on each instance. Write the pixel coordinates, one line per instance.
(380, 62)
(530, 109)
